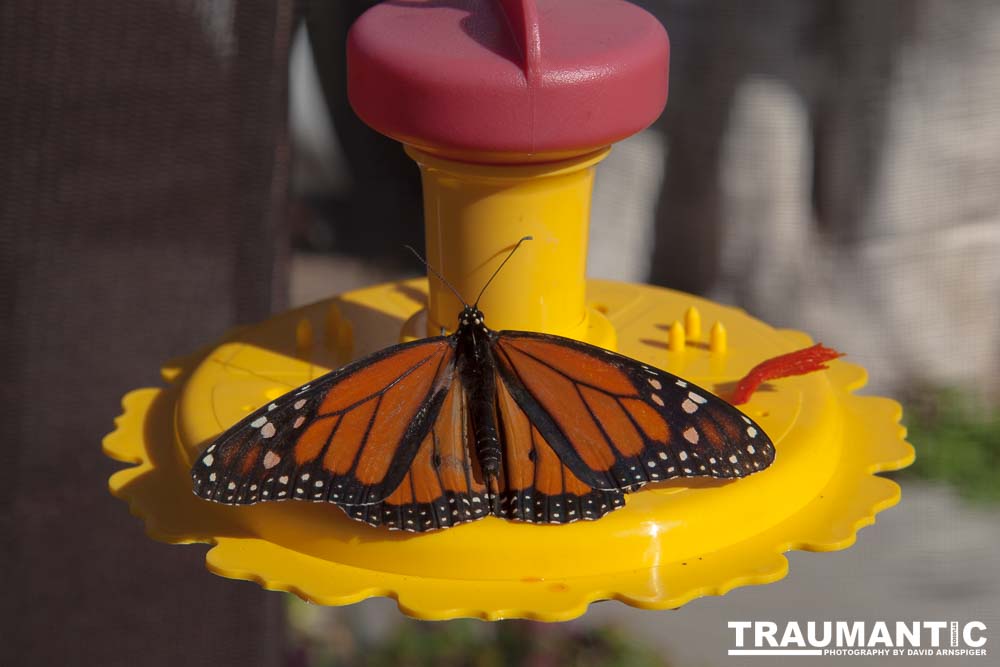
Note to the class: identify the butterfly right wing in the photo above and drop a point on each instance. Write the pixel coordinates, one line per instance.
(536, 486)
(619, 424)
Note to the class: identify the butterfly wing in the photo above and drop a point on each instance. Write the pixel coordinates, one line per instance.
(348, 437)
(536, 486)
(444, 485)
(616, 423)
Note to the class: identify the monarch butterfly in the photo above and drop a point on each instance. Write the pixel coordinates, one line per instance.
(442, 431)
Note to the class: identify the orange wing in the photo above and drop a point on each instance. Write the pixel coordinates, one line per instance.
(616, 423)
(537, 486)
(349, 437)
(444, 486)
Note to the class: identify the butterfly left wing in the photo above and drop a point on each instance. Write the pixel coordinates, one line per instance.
(443, 486)
(348, 438)
(618, 424)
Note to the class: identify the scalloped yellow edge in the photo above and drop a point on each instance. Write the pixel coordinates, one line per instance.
(145, 436)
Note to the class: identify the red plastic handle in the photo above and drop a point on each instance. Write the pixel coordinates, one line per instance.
(522, 16)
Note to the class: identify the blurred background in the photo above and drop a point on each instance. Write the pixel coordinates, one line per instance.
(174, 167)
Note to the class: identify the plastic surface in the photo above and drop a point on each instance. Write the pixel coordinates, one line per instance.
(474, 214)
(528, 78)
(672, 542)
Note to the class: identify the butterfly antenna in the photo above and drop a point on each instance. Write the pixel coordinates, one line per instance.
(506, 259)
(440, 277)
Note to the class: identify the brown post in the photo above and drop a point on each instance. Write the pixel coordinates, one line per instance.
(142, 185)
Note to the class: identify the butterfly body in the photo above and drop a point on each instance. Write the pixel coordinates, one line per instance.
(477, 371)
(446, 430)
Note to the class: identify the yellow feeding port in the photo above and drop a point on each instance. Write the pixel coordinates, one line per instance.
(672, 541)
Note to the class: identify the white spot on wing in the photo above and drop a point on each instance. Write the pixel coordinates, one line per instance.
(208, 460)
(260, 421)
(270, 460)
(689, 406)
(268, 431)
(691, 435)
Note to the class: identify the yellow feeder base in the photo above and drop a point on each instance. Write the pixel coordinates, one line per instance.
(672, 542)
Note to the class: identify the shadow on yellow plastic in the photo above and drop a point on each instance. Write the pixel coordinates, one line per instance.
(672, 542)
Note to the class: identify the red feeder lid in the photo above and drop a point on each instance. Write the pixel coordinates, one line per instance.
(518, 76)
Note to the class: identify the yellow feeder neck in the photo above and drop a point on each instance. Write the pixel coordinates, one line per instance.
(474, 213)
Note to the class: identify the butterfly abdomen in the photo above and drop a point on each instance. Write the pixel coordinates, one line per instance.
(477, 372)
